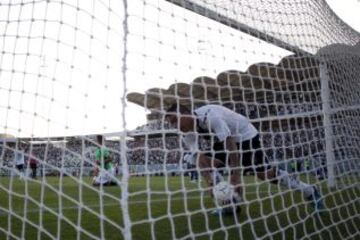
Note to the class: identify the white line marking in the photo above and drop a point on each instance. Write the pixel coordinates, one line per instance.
(4, 212)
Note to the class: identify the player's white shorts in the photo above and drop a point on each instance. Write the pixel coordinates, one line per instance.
(104, 176)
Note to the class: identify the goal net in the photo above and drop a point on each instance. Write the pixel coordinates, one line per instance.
(89, 148)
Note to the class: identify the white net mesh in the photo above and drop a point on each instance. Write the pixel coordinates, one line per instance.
(86, 152)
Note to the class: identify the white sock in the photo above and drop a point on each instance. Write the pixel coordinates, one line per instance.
(293, 183)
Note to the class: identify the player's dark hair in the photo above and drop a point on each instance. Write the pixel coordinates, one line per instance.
(177, 109)
(100, 138)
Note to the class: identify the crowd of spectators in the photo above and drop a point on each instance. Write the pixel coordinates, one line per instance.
(263, 110)
(279, 147)
(281, 144)
(154, 151)
(80, 152)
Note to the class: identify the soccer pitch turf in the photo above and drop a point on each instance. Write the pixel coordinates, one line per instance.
(170, 208)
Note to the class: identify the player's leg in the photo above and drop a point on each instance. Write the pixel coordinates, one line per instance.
(111, 176)
(207, 166)
(235, 180)
(96, 177)
(22, 171)
(217, 158)
(233, 164)
(193, 177)
(195, 173)
(275, 175)
(235, 175)
(20, 167)
(33, 171)
(311, 192)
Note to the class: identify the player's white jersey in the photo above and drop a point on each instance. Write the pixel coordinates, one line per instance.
(225, 123)
(19, 157)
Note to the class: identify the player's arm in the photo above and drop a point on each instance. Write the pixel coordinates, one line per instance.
(234, 163)
(96, 169)
(223, 133)
(104, 157)
(231, 148)
(107, 157)
(190, 143)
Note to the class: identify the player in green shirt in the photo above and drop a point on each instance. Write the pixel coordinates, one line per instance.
(102, 156)
(104, 172)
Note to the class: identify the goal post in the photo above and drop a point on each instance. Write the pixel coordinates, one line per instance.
(91, 146)
(325, 97)
(331, 59)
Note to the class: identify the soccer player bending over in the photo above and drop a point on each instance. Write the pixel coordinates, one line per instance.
(104, 172)
(235, 141)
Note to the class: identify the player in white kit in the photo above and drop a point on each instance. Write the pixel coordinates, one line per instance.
(20, 162)
(235, 142)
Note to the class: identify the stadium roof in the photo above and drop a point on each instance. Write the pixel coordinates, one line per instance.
(341, 52)
(291, 74)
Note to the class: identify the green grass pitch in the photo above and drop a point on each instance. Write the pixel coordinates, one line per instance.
(170, 208)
